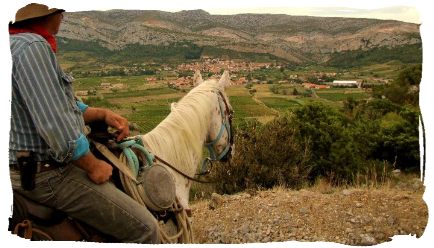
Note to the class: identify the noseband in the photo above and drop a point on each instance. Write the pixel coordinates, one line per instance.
(225, 111)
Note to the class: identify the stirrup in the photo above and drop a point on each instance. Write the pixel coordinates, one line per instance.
(28, 230)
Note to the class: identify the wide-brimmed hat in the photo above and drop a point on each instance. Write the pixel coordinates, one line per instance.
(24, 10)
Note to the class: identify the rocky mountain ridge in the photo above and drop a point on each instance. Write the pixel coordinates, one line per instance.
(295, 38)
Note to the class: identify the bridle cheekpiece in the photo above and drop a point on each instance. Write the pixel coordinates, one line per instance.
(226, 114)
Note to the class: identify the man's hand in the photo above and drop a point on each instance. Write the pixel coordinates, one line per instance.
(119, 123)
(111, 119)
(98, 170)
(101, 172)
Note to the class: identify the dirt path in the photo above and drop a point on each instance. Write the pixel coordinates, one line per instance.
(146, 98)
(263, 104)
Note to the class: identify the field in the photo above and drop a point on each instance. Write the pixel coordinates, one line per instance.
(148, 104)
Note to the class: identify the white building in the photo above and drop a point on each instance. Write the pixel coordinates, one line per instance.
(346, 83)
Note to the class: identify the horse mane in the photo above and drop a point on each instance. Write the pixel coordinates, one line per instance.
(179, 138)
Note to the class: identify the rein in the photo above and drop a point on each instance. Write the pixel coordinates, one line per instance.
(149, 158)
(132, 160)
(181, 173)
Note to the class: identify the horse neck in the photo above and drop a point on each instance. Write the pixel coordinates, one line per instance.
(180, 137)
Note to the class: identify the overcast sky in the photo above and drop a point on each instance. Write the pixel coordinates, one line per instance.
(420, 12)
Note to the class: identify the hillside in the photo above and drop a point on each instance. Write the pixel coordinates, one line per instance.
(295, 39)
(356, 217)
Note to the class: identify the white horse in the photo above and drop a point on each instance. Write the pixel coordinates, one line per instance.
(202, 117)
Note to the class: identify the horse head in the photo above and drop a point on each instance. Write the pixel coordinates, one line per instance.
(220, 138)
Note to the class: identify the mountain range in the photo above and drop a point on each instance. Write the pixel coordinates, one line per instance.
(295, 39)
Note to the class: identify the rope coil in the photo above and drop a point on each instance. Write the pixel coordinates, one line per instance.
(135, 190)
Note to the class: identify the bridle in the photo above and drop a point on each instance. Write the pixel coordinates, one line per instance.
(226, 114)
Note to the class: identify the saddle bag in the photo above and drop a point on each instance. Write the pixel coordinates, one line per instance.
(17, 230)
(157, 187)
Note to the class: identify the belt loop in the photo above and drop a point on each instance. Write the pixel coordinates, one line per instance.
(43, 166)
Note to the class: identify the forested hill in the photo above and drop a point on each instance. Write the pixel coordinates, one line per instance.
(294, 39)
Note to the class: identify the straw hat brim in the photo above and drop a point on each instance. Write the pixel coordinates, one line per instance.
(24, 10)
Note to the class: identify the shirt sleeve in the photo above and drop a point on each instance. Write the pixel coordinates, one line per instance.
(82, 106)
(55, 114)
(82, 148)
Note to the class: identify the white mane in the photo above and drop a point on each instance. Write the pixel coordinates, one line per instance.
(179, 138)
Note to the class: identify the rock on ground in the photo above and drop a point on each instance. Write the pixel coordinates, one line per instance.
(359, 217)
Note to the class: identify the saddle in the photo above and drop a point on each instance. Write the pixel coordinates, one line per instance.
(34, 221)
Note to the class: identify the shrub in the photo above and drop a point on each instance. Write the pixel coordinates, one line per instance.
(333, 148)
(266, 156)
(386, 131)
(318, 141)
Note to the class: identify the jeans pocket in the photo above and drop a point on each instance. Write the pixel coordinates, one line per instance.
(44, 176)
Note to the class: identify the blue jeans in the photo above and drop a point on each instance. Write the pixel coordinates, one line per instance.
(101, 206)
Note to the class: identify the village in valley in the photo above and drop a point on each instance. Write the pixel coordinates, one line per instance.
(181, 76)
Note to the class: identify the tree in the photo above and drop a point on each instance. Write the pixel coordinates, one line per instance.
(325, 128)
(249, 77)
(401, 140)
(386, 130)
(350, 104)
(405, 89)
(410, 76)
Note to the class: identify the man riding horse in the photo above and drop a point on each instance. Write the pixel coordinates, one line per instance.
(49, 157)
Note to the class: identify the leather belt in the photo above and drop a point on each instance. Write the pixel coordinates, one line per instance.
(41, 166)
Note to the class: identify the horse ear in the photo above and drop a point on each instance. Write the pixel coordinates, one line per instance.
(197, 78)
(224, 80)
(172, 106)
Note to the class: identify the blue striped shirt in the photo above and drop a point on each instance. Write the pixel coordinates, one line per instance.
(45, 117)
